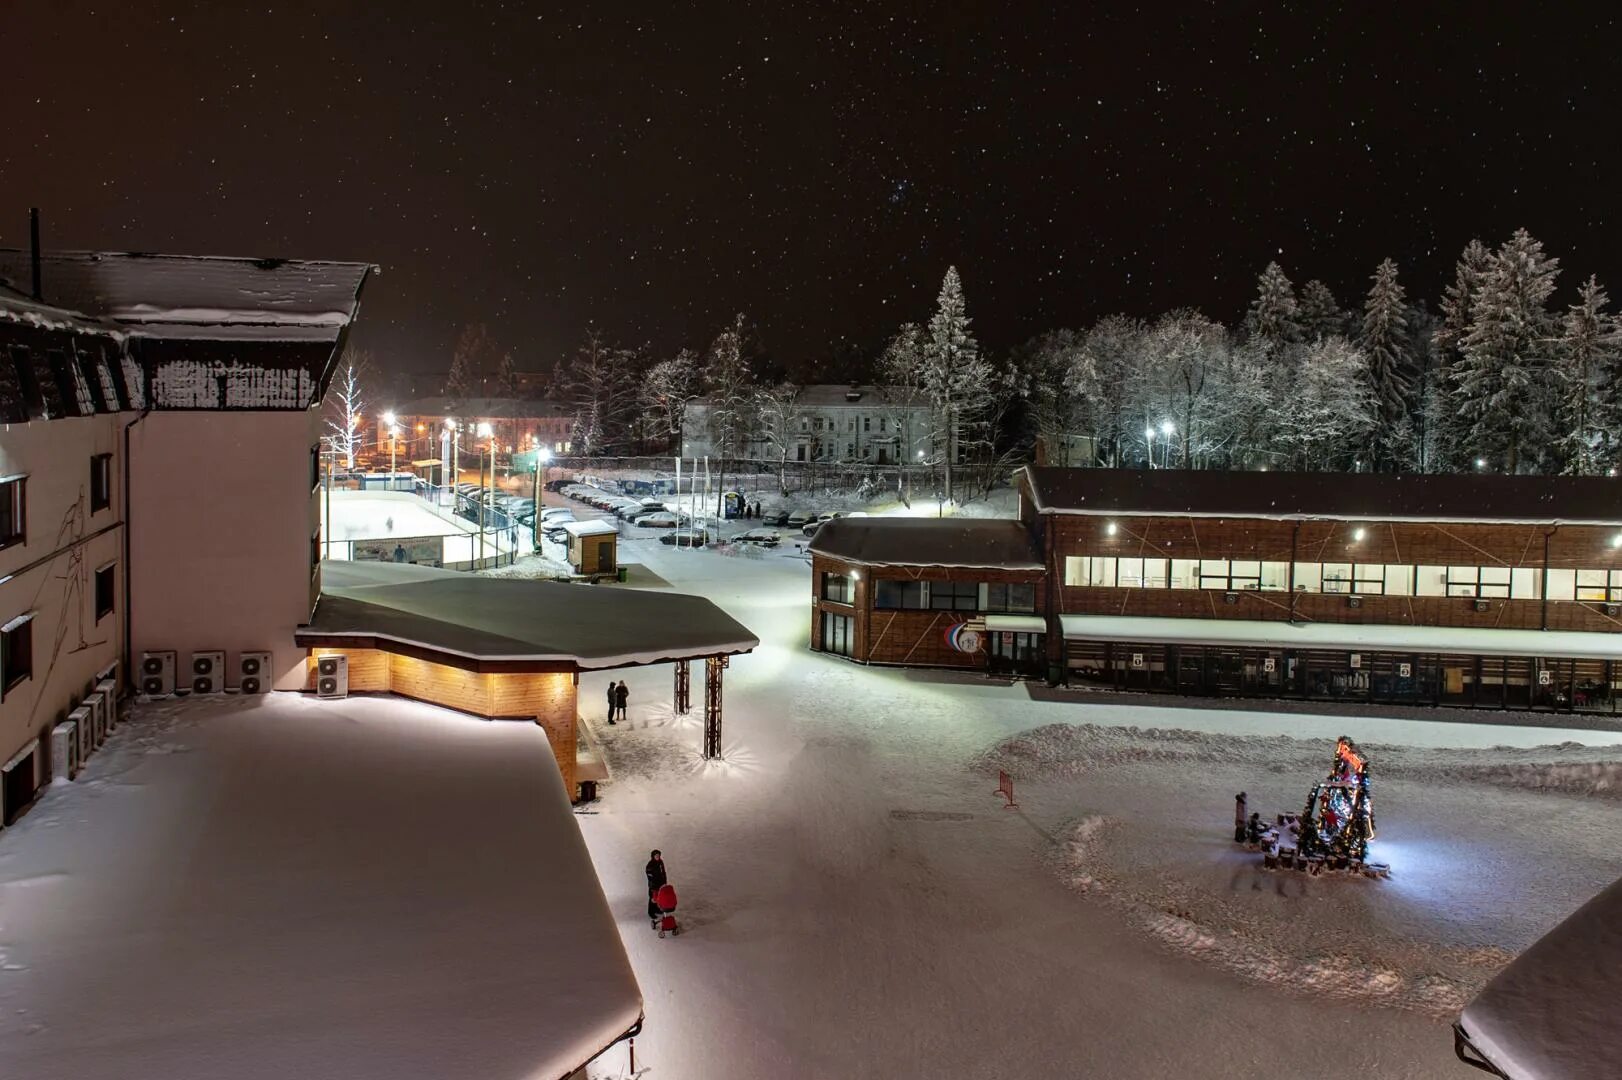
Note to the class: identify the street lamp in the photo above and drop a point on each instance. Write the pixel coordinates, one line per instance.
(542, 456)
(1481, 463)
(394, 449)
(484, 432)
(1149, 440)
(1168, 429)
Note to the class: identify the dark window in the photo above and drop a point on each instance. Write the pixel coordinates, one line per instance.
(898, 594)
(104, 592)
(837, 587)
(16, 653)
(31, 403)
(13, 511)
(92, 381)
(954, 595)
(101, 482)
(315, 466)
(1010, 597)
(115, 369)
(61, 391)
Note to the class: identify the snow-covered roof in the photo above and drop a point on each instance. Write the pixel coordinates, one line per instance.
(190, 296)
(17, 307)
(590, 527)
(265, 887)
(969, 543)
(482, 408)
(1555, 1011)
(1466, 497)
(1351, 637)
(466, 619)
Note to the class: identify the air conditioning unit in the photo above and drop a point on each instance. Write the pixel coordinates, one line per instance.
(1354, 601)
(85, 728)
(332, 676)
(208, 672)
(97, 704)
(1482, 605)
(1230, 598)
(65, 751)
(108, 689)
(157, 673)
(1612, 609)
(254, 673)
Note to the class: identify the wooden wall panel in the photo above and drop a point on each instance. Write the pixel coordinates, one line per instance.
(441, 684)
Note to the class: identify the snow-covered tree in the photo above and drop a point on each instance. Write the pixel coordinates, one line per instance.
(1330, 409)
(1101, 383)
(346, 406)
(466, 378)
(957, 382)
(1049, 369)
(729, 384)
(776, 409)
(1501, 381)
(599, 389)
(505, 381)
(901, 367)
(1172, 382)
(666, 389)
(1385, 345)
(1320, 314)
(1588, 355)
(1459, 299)
(1274, 314)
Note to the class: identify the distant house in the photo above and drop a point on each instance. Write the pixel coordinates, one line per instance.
(517, 425)
(876, 425)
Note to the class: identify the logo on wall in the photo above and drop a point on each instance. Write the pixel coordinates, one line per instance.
(965, 637)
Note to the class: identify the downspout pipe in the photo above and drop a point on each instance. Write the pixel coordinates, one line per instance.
(33, 252)
(1543, 589)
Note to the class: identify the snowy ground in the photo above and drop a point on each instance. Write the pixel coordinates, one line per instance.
(857, 904)
(276, 886)
(391, 515)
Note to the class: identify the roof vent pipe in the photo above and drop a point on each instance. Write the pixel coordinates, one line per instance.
(33, 248)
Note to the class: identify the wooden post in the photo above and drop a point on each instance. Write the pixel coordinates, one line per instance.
(713, 666)
(684, 686)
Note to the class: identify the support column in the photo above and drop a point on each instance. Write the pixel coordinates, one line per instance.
(684, 687)
(713, 666)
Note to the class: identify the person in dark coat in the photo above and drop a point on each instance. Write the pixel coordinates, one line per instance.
(613, 700)
(656, 878)
(620, 697)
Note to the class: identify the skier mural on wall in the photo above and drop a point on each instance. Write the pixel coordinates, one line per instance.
(1338, 821)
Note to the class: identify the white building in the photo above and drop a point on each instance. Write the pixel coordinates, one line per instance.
(875, 425)
(159, 469)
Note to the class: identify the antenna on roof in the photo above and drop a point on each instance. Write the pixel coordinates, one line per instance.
(33, 244)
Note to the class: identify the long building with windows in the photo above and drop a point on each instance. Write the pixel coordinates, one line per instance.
(1479, 590)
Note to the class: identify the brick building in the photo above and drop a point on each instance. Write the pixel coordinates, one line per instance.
(946, 593)
(1478, 590)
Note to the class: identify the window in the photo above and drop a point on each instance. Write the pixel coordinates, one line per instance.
(954, 595)
(88, 365)
(1600, 585)
(1213, 573)
(867, 424)
(104, 592)
(836, 633)
(837, 587)
(13, 511)
(1129, 572)
(1463, 580)
(883, 423)
(1494, 581)
(29, 402)
(1276, 575)
(1337, 577)
(1399, 580)
(101, 482)
(1185, 573)
(1368, 580)
(893, 595)
(1075, 570)
(1010, 597)
(1430, 581)
(16, 653)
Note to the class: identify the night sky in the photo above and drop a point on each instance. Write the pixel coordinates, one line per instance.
(539, 167)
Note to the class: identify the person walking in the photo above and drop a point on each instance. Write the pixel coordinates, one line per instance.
(613, 700)
(620, 696)
(656, 879)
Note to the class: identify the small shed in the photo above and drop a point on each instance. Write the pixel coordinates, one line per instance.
(593, 546)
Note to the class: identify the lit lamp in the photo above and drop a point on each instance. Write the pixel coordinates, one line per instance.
(542, 456)
(1168, 429)
(1149, 440)
(484, 432)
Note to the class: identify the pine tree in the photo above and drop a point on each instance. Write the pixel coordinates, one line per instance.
(465, 378)
(1458, 300)
(1501, 381)
(1274, 314)
(1320, 313)
(729, 383)
(1385, 345)
(505, 382)
(958, 383)
(1589, 353)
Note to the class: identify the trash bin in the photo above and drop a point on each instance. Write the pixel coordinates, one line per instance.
(620, 574)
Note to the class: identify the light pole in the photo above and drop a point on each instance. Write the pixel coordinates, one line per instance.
(456, 461)
(483, 432)
(1168, 429)
(542, 456)
(1149, 440)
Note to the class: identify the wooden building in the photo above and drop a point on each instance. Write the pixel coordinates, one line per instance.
(1483, 590)
(939, 592)
(593, 546)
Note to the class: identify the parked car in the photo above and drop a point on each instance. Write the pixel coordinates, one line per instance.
(558, 485)
(775, 517)
(686, 537)
(763, 537)
(810, 528)
(657, 519)
(797, 519)
(555, 512)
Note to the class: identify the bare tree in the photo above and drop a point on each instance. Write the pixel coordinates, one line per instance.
(666, 389)
(598, 388)
(776, 408)
(346, 405)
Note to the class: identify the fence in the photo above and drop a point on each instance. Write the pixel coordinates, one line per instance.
(497, 543)
(797, 477)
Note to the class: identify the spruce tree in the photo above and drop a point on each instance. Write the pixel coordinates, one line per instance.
(1502, 378)
(465, 378)
(957, 382)
(1588, 355)
(1274, 314)
(1319, 312)
(1385, 345)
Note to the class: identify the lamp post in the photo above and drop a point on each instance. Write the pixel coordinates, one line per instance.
(1149, 441)
(455, 440)
(394, 446)
(542, 456)
(1168, 429)
(483, 431)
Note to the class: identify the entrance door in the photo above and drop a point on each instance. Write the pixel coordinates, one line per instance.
(1015, 653)
(836, 632)
(605, 555)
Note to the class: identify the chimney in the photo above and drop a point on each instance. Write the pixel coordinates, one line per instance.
(33, 242)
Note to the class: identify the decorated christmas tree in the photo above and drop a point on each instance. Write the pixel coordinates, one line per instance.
(1338, 822)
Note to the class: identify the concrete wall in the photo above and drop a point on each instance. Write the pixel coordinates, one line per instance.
(223, 515)
(52, 573)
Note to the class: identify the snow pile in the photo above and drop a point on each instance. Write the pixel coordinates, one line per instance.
(531, 568)
(1466, 832)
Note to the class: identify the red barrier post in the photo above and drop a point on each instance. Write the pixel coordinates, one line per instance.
(1005, 788)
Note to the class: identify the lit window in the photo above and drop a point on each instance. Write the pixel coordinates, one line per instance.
(837, 588)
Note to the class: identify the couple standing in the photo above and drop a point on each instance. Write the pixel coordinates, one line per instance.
(617, 696)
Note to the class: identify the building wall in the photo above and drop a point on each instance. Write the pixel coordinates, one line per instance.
(912, 637)
(1513, 546)
(52, 573)
(549, 697)
(855, 432)
(224, 513)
